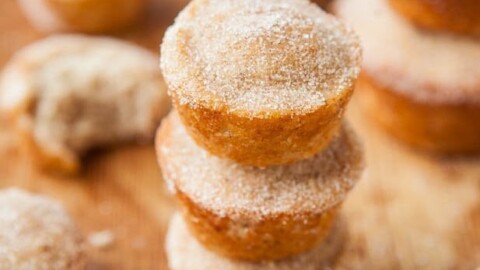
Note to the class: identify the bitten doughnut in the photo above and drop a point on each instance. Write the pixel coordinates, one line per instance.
(68, 94)
(252, 213)
(88, 16)
(422, 87)
(260, 82)
(37, 233)
(460, 16)
(184, 252)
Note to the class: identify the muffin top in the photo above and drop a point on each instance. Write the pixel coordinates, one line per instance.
(37, 233)
(258, 57)
(227, 188)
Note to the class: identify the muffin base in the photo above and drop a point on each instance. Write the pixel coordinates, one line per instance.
(270, 238)
(265, 141)
(184, 252)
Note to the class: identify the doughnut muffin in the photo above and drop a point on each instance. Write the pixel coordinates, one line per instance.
(458, 16)
(251, 213)
(37, 233)
(184, 252)
(68, 94)
(422, 87)
(260, 82)
(87, 16)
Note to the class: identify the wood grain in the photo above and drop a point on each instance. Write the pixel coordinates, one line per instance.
(411, 210)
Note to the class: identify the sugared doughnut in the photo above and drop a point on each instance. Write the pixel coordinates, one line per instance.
(68, 94)
(184, 252)
(37, 233)
(88, 16)
(422, 87)
(260, 82)
(252, 213)
(460, 16)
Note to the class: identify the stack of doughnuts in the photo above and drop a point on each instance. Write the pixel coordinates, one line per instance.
(421, 73)
(256, 151)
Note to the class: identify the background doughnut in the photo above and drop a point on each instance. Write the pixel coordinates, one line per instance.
(86, 16)
(422, 87)
(67, 94)
(37, 233)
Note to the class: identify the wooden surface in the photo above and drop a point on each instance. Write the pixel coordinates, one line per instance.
(411, 210)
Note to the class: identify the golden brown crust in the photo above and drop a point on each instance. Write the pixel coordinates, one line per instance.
(88, 16)
(460, 16)
(181, 244)
(41, 158)
(441, 128)
(275, 237)
(268, 141)
(67, 165)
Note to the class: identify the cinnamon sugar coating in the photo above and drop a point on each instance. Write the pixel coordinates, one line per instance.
(253, 213)
(260, 82)
(36, 233)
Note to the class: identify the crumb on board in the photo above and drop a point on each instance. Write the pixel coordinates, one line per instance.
(101, 239)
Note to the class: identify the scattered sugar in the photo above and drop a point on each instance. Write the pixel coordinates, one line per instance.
(428, 66)
(257, 57)
(101, 239)
(227, 188)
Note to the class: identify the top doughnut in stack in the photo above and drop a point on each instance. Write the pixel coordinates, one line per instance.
(257, 82)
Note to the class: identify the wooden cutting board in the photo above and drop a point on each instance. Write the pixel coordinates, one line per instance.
(411, 210)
